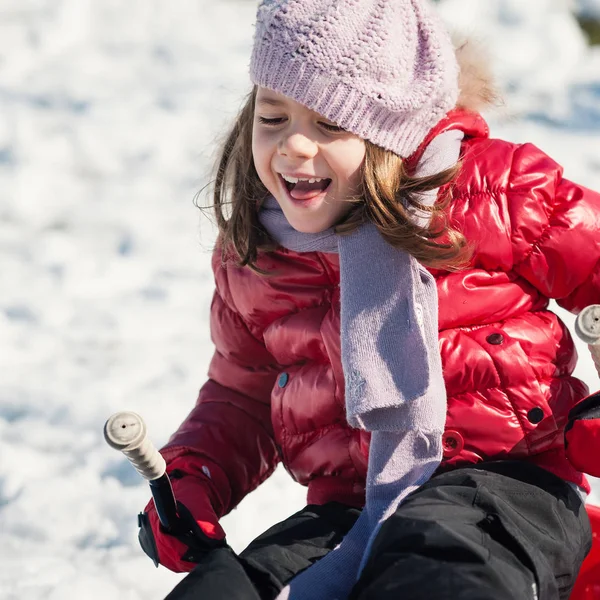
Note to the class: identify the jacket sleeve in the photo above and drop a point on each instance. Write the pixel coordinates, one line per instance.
(228, 437)
(555, 230)
(582, 435)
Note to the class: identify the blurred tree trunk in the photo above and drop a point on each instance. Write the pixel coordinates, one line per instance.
(588, 15)
(591, 26)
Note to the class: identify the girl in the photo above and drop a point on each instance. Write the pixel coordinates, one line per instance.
(353, 166)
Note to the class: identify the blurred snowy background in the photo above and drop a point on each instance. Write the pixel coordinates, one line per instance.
(109, 115)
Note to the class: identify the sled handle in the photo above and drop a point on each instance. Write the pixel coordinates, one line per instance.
(587, 327)
(126, 431)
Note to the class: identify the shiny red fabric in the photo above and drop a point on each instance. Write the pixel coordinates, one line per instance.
(582, 435)
(276, 387)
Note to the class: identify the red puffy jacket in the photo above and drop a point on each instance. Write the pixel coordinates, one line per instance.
(276, 389)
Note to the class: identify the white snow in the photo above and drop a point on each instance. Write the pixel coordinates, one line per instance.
(109, 117)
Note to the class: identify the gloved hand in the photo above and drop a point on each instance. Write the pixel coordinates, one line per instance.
(582, 435)
(179, 552)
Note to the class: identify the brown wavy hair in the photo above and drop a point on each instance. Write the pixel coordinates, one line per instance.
(388, 196)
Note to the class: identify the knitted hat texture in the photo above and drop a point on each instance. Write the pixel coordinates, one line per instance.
(384, 70)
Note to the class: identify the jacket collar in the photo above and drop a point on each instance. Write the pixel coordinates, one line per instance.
(471, 123)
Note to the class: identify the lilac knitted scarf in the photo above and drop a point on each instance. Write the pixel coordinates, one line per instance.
(392, 370)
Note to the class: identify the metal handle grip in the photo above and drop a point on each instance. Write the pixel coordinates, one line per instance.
(587, 324)
(126, 431)
(587, 327)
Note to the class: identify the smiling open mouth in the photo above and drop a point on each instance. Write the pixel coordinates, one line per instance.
(305, 189)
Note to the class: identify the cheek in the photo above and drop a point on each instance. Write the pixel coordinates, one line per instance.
(351, 159)
(260, 155)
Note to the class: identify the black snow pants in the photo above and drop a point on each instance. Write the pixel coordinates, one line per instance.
(498, 531)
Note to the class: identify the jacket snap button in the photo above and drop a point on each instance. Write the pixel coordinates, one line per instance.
(535, 415)
(495, 339)
(452, 443)
(283, 379)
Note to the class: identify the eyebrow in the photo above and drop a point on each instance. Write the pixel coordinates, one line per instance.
(270, 101)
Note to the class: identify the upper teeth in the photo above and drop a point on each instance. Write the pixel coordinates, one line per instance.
(297, 179)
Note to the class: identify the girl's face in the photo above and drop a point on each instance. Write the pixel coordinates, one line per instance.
(311, 166)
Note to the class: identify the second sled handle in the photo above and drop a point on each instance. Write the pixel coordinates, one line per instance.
(587, 327)
(126, 431)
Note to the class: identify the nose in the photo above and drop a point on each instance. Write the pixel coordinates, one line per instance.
(297, 144)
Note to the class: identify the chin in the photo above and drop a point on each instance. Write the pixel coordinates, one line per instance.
(308, 227)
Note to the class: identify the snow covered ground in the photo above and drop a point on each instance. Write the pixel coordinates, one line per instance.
(109, 116)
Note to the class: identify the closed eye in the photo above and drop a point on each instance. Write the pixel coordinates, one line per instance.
(331, 127)
(272, 122)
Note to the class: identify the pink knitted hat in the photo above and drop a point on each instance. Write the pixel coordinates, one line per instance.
(384, 70)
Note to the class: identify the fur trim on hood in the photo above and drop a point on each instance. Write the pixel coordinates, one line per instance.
(477, 88)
